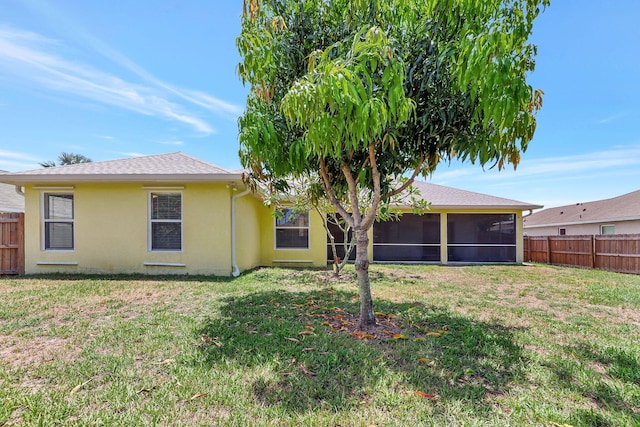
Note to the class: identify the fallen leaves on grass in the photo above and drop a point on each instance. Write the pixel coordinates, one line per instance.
(198, 396)
(425, 395)
(213, 340)
(165, 362)
(341, 321)
(79, 386)
(306, 371)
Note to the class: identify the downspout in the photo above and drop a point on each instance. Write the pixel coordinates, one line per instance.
(19, 190)
(235, 271)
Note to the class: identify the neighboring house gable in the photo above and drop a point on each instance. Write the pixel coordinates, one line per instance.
(173, 213)
(618, 215)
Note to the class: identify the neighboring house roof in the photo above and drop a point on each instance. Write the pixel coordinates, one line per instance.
(10, 200)
(621, 208)
(442, 197)
(159, 168)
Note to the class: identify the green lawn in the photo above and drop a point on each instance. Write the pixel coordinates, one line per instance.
(468, 346)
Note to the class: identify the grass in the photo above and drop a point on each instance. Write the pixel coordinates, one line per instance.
(467, 346)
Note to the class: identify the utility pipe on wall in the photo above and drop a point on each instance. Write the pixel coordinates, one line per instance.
(235, 271)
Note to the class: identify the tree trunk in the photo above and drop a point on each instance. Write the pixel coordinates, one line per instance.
(367, 317)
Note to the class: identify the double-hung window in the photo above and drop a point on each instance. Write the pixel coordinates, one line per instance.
(165, 221)
(58, 221)
(292, 230)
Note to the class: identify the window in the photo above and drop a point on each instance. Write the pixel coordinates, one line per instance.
(165, 222)
(562, 231)
(607, 229)
(58, 221)
(292, 230)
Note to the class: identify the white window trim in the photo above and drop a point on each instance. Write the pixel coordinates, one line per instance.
(560, 231)
(151, 221)
(43, 194)
(275, 234)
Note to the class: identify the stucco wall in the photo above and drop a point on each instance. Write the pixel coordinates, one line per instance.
(111, 231)
(249, 212)
(315, 255)
(621, 227)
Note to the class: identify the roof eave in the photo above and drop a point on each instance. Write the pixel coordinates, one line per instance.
(591, 221)
(479, 207)
(120, 178)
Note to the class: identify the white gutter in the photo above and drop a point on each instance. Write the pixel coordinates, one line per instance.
(19, 190)
(235, 271)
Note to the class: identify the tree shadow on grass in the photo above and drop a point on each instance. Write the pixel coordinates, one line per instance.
(594, 378)
(307, 364)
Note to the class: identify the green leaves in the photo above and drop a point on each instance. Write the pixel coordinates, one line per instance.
(349, 97)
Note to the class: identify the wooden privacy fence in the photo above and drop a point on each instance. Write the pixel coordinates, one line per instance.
(11, 243)
(617, 252)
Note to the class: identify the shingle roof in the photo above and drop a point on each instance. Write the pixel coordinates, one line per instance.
(10, 200)
(621, 208)
(156, 168)
(442, 197)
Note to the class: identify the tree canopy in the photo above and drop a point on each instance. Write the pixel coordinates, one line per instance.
(370, 94)
(66, 159)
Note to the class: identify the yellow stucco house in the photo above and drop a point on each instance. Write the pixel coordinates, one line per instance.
(176, 214)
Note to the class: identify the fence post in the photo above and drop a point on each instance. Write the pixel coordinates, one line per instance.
(548, 249)
(593, 251)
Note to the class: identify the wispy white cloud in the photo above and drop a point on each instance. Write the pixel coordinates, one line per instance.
(131, 154)
(553, 181)
(612, 159)
(615, 157)
(16, 155)
(178, 143)
(611, 118)
(32, 57)
(14, 161)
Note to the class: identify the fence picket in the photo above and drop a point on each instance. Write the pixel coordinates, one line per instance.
(11, 243)
(617, 252)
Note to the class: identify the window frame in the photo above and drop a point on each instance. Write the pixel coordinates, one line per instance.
(277, 227)
(151, 221)
(562, 231)
(613, 229)
(44, 220)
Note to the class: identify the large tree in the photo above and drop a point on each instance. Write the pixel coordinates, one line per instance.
(370, 94)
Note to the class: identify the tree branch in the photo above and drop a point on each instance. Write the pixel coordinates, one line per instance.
(332, 197)
(407, 183)
(353, 194)
(377, 196)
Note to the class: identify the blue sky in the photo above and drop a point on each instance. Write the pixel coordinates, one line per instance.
(116, 79)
